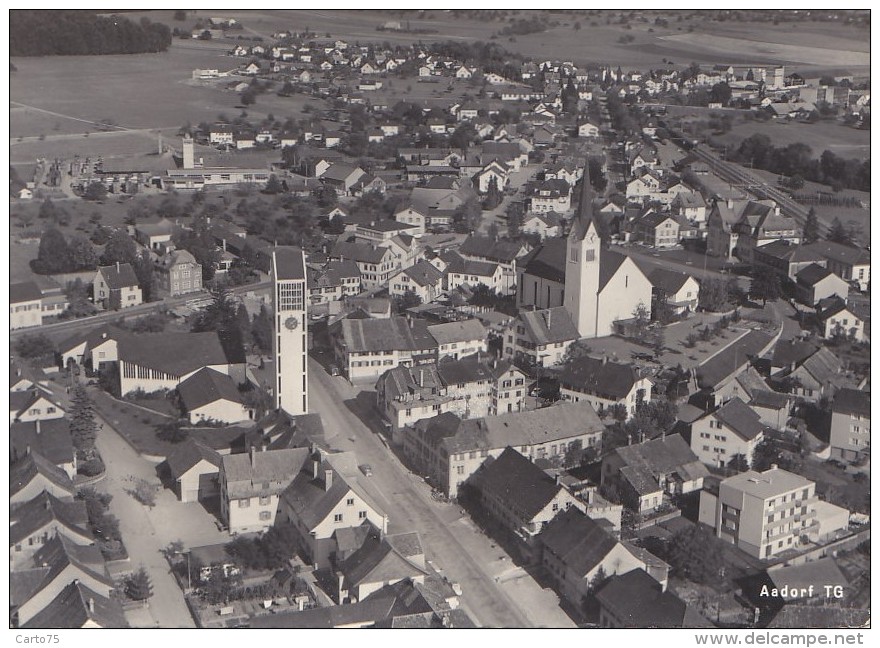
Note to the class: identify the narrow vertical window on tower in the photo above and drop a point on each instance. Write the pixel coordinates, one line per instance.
(575, 256)
(589, 254)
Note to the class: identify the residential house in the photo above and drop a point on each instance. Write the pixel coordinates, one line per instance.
(35, 522)
(586, 129)
(733, 430)
(635, 600)
(222, 133)
(56, 565)
(30, 476)
(460, 271)
(459, 339)
(575, 549)
(450, 450)
(382, 231)
(116, 287)
(25, 305)
(544, 224)
(603, 384)
(328, 494)
(851, 425)
(156, 237)
(838, 318)
(92, 349)
(405, 395)
(550, 196)
(179, 273)
(539, 338)
(644, 473)
(211, 396)
(336, 280)
(423, 279)
(763, 513)
(492, 173)
(412, 215)
(251, 485)
(519, 497)
(724, 219)
(787, 259)
(33, 404)
(806, 370)
(690, 205)
(503, 252)
(379, 562)
(715, 378)
(657, 229)
(815, 283)
(366, 348)
(375, 263)
(851, 263)
(194, 469)
(679, 290)
(78, 606)
(342, 177)
(758, 229)
(51, 439)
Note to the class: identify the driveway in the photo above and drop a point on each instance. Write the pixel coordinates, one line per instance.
(138, 527)
(462, 553)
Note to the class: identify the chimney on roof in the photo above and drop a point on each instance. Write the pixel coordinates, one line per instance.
(548, 317)
(316, 466)
(773, 466)
(91, 605)
(328, 479)
(730, 203)
(117, 266)
(605, 359)
(558, 479)
(253, 453)
(421, 378)
(777, 210)
(38, 427)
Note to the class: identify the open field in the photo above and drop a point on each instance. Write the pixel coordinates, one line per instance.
(825, 135)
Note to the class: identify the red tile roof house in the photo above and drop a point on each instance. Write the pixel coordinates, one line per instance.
(116, 287)
(55, 566)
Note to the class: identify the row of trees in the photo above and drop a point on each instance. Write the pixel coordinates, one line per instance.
(58, 32)
(797, 159)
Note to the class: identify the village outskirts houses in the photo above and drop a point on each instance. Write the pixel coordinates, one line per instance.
(732, 431)
(116, 287)
(851, 425)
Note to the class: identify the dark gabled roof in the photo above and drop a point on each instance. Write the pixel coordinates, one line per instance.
(730, 360)
(364, 335)
(465, 370)
(173, 353)
(380, 561)
(550, 325)
(603, 378)
(638, 601)
(341, 172)
(59, 552)
(769, 398)
(578, 540)
(289, 263)
(609, 263)
(740, 418)
(852, 401)
(812, 274)
(547, 261)
(31, 516)
(119, 276)
(513, 479)
(424, 273)
(669, 281)
(386, 225)
(363, 252)
(50, 438)
(75, 605)
(792, 352)
(246, 473)
(23, 471)
(207, 386)
(841, 253)
(502, 250)
(459, 265)
(460, 331)
(663, 456)
(24, 292)
(369, 611)
(188, 454)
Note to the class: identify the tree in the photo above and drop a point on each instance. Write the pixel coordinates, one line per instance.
(95, 191)
(81, 253)
(493, 195)
(53, 255)
(262, 330)
(713, 295)
(838, 233)
(34, 345)
(180, 14)
(641, 320)
(138, 586)
(811, 227)
(273, 185)
(143, 270)
(172, 431)
(83, 423)
(696, 555)
(119, 249)
(48, 211)
(765, 285)
(77, 295)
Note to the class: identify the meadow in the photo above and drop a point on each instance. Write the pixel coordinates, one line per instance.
(824, 135)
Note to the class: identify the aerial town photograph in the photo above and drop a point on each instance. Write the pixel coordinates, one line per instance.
(440, 319)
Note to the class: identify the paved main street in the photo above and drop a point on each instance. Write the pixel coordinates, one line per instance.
(494, 593)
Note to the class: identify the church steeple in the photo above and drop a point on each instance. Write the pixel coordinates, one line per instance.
(584, 220)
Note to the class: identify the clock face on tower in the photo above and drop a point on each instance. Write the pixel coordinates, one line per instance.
(291, 323)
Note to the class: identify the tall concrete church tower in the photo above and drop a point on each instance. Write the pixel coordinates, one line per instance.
(290, 299)
(582, 262)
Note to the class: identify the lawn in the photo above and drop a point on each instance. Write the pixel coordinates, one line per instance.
(824, 135)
